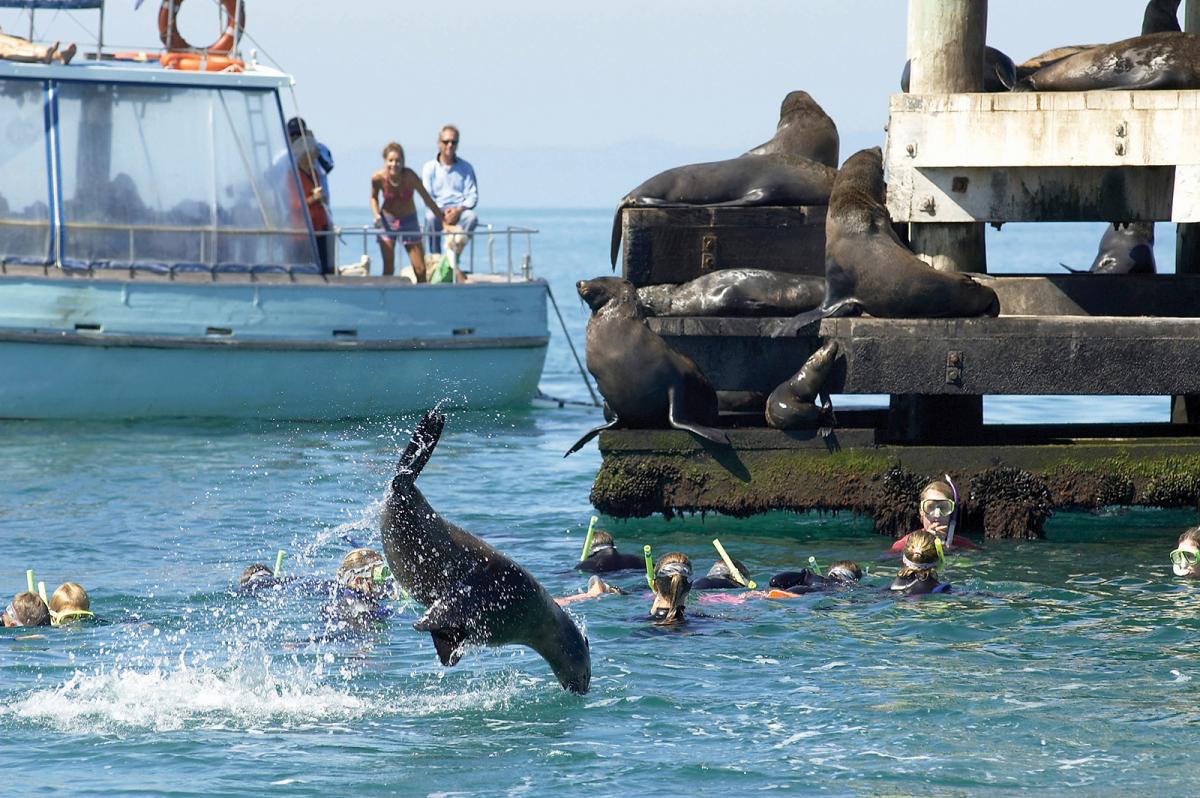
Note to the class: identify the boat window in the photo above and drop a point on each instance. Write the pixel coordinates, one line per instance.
(176, 175)
(24, 174)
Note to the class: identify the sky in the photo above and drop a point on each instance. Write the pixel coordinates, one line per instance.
(572, 104)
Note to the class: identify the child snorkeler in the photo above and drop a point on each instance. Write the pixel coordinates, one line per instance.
(841, 573)
(1185, 559)
(939, 516)
(604, 558)
(70, 603)
(671, 584)
(918, 573)
(26, 609)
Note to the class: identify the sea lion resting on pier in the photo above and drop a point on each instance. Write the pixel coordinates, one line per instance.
(795, 167)
(1161, 16)
(1155, 61)
(868, 270)
(646, 384)
(735, 292)
(473, 593)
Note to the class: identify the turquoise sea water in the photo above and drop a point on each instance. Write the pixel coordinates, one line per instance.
(1059, 666)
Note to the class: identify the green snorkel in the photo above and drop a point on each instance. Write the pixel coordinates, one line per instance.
(734, 573)
(813, 565)
(29, 579)
(42, 593)
(649, 566)
(278, 564)
(587, 541)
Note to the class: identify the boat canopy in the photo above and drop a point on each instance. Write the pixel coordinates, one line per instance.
(154, 175)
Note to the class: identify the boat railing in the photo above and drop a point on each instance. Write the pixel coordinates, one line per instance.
(510, 237)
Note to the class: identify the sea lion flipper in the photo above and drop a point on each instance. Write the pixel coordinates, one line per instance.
(708, 433)
(1072, 271)
(446, 621)
(801, 320)
(420, 448)
(587, 436)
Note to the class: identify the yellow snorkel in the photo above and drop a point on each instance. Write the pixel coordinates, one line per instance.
(42, 593)
(587, 541)
(29, 579)
(734, 573)
(649, 566)
(278, 564)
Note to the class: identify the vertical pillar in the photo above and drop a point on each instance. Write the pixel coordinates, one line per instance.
(946, 45)
(1186, 409)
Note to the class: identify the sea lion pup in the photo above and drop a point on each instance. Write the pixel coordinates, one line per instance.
(1169, 60)
(868, 270)
(792, 404)
(735, 292)
(646, 384)
(672, 582)
(795, 167)
(1125, 248)
(473, 593)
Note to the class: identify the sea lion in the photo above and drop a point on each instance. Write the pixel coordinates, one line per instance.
(473, 593)
(646, 384)
(868, 270)
(1161, 16)
(1169, 60)
(795, 167)
(1125, 248)
(791, 405)
(735, 292)
(999, 72)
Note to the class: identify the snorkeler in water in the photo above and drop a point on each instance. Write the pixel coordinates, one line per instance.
(363, 582)
(840, 574)
(939, 516)
(671, 584)
(719, 577)
(26, 609)
(604, 558)
(70, 604)
(596, 588)
(1185, 559)
(918, 573)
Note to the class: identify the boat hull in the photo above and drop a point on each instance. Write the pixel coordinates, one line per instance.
(88, 348)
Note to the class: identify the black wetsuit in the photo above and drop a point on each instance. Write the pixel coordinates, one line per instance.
(802, 581)
(918, 585)
(609, 560)
(350, 609)
(715, 583)
(266, 583)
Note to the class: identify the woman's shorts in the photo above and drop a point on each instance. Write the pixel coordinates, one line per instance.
(412, 231)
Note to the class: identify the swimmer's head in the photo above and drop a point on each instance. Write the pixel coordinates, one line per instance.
(920, 556)
(598, 587)
(364, 572)
(721, 571)
(672, 583)
(601, 542)
(937, 507)
(254, 573)
(27, 609)
(1185, 559)
(844, 571)
(69, 603)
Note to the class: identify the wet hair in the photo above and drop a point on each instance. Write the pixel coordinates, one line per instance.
(721, 571)
(675, 562)
(30, 610)
(357, 559)
(255, 571)
(1190, 535)
(843, 568)
(395, 147)
(938, 486)
(599, 540)
(70, 596)
(921, 550)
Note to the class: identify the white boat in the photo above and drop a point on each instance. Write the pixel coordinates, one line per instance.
(156, 260)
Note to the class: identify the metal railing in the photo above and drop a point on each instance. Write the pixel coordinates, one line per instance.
(490, 233)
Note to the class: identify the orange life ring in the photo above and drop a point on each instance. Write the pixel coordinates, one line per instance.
(235, 23)
(194, 62)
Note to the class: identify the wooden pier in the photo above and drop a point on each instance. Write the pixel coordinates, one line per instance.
(957, 159)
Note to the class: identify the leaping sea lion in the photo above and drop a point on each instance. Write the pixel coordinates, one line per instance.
(473, 593)
(646, 384)
(1125, 248)
(868, 270)
(795, 167)
(793, 404)
(735, 292)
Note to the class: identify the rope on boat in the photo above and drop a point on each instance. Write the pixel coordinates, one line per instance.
(570, 343)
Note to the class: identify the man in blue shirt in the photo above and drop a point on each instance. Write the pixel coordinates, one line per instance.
(451, 182)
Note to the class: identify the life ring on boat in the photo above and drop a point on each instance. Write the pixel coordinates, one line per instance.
(193, 62)
(235, 24)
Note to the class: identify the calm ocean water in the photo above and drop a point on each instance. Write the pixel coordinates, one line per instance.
(1061, 665)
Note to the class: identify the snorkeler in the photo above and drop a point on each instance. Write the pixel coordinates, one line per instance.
(720, 577)
(603, 557)
(841, 573)
(596, 587)
(26, 609)
(918, 573)
(939, 516)
(363, 581)
(69, 603)
(671, 584)
(1185, 559)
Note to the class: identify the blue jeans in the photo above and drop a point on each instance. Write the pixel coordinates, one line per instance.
(433, 224)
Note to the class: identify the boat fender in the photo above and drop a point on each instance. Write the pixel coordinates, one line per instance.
(235, 23)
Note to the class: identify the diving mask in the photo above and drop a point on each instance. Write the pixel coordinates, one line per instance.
(937, 508)
(376, 573)
(1184, 560)
(66, 616)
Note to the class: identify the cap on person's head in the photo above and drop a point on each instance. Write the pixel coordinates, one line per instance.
(601, 541)
(254, 572)
(296, 126)
(27, 609)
